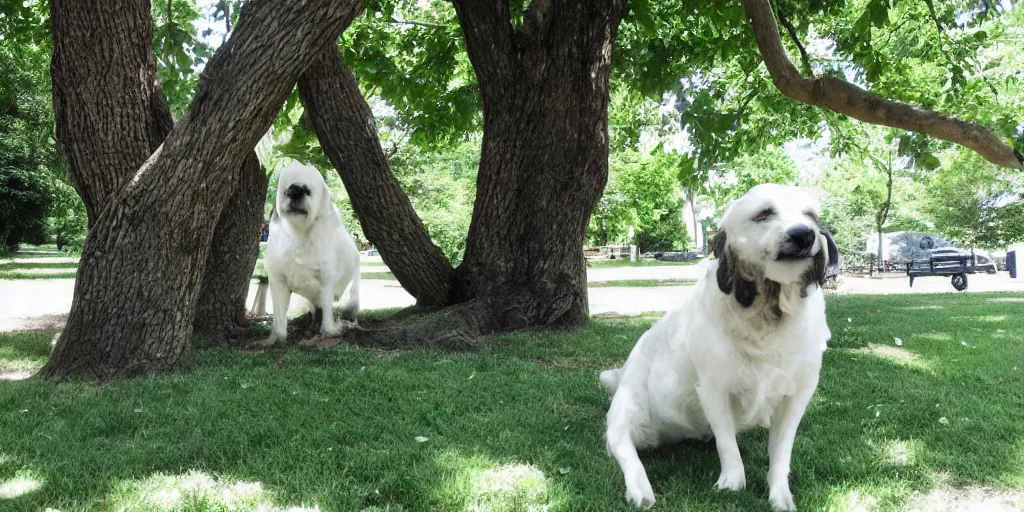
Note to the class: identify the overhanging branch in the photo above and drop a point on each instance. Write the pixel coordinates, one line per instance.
(487, 28)
(843, 97)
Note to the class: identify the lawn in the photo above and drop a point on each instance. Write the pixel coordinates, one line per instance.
(638, 263)
(518, 425)
(26, 270)
(641, 283)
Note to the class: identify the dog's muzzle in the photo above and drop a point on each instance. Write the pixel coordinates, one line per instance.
(799, 244)
(297, 197)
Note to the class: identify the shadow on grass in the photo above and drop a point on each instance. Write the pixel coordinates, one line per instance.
(515, 425)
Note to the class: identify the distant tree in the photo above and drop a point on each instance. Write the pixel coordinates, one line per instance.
(975, 203)
(29, 161)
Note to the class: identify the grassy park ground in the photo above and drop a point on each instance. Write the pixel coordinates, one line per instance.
(933, 421)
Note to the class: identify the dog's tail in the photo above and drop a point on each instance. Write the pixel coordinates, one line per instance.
(610, 380)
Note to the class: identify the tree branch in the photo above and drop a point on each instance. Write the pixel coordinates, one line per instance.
(487, 28)
(537, 18)
(796, 40)
(344, 124)
(416, 23)
(942, 33)
(846, 98)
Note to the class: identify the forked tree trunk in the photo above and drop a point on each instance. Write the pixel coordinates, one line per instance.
(220, 312)
(543, 167)
(544, 158)
(347, 131)
(127, 120)
(142, 266)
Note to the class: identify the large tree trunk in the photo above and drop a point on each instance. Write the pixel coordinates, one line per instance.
(345, 126)
(139, 280)
(220, 312)
(544, 158)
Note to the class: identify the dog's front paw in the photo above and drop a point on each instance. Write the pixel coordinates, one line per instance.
(332, 330)
(638, 490)
(732, 480)
(781, 499)
(273, 340)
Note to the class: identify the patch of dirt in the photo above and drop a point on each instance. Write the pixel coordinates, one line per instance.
(897, 354)
(967, 499)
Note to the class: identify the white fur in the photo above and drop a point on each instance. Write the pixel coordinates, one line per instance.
(712, 367)
(310, 254)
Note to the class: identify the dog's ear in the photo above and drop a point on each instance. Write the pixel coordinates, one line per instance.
(825, 262)
(325, 200)
(724, 274)
(833, 252)
(727, 275)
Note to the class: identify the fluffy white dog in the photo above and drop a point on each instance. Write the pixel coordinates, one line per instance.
(309, 252)
(744, 349)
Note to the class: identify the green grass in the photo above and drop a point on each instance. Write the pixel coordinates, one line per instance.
(379, 275)
(517, 425)
(14, 266)
(25, 276)
(639, 263)
(14, 270)
(641, 283)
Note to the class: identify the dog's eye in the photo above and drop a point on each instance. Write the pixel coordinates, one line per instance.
(763, 216)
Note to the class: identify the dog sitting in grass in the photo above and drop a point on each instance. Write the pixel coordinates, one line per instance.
(744, 348)
(309, 252)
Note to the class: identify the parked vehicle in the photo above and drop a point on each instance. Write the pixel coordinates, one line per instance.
(953, 262)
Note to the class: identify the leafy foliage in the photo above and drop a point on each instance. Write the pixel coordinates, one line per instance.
(27, 149)
(975, 203)
(642, 192)
(179, 50)
(769, 166)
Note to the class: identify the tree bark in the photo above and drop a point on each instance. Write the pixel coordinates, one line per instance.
(843, 97)
(139, 280)
(544, 157)
(220, 311)
(347, 131)
(105, 88)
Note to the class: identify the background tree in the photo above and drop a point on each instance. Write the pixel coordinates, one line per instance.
(30, 164)
(975, 203)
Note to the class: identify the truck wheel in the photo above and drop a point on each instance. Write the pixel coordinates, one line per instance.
(959, 282)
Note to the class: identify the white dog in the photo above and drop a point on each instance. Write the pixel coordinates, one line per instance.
(744, 349)
(309, 252)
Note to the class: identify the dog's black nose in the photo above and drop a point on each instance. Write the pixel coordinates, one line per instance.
(296, 191)
(802, 237)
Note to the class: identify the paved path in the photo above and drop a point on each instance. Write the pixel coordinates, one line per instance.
(44, 303)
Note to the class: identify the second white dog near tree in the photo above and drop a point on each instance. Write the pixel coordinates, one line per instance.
(309, 252)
